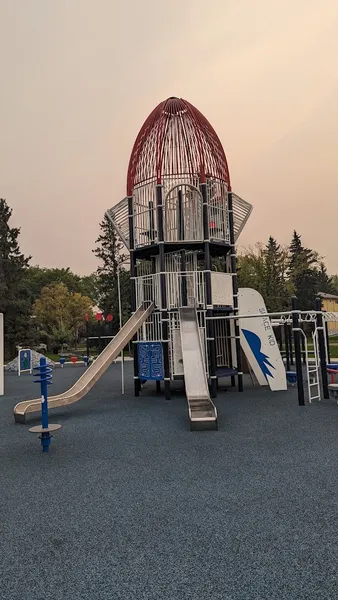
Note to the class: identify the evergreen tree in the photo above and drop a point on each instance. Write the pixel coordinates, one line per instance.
(14, 303)
(109, 252)
(276, 292)
(303, 272)
(324, 283)
(301, 257)
(334, 281)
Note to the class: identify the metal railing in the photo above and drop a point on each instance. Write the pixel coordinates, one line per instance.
(147, 288)
(183, 289)
(151, 330)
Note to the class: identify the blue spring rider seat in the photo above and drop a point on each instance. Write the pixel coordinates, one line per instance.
(291, 377)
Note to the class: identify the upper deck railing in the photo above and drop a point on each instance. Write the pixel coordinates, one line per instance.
(182, 215)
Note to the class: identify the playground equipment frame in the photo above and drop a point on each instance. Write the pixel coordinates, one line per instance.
(296, 317)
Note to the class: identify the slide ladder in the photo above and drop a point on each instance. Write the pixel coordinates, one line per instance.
(312, 367)
(202, 411)
(92, 373)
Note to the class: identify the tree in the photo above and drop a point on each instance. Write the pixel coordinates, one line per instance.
(264, 268)
(301, 257)
(306, 273)
(88, 286)
(37, 278)
(61, 314)
(109, 252)
(334, 281)
(251, 269)
(277, 292)
(14, 303)
(324, 283)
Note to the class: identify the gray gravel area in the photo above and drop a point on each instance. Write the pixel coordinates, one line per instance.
(129, 504)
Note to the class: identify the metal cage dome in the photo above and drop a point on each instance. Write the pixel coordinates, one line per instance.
(176, 139)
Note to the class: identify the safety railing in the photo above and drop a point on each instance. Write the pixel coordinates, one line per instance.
(182, 289)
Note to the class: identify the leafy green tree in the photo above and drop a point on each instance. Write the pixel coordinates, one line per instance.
(14, 303)
(109, 251)
(37, 278)
(89, 287)
(251, 268)
(61, 314)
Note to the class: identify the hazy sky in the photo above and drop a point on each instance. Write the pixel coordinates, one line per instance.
(79, 77)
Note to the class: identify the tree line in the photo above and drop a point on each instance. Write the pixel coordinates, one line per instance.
(279, 272)
(50, 305)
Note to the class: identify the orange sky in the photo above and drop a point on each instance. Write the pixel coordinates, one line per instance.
(79, 78)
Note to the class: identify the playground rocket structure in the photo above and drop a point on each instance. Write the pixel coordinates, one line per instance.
(179, 215)
(189, 321)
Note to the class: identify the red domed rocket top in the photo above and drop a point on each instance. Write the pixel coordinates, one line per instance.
(176, 139)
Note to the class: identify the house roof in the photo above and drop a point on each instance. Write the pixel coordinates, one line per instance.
(327, 296)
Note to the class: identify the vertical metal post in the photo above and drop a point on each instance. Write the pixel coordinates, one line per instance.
(302, 342)
(164, 305)
(290, 346)
(298, 355)
(180, 220)
(184, 294)
(19, 361)
(44, 404)
(87, 337)
(208, 293)
(321, 346)
(233, 263)
(133, 273)
(286, 340)
(229, 351)
(180, 225)
(120, 321)
(151, 222)
(327, 342)
(228, 337)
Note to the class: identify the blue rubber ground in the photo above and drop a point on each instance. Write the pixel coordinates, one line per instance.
(129, 504)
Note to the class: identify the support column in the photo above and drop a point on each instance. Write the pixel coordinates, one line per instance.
(164, 305)
(208, 294)
(227, 269)
(180, 225)
(302, 343)
(233, 263)
(327, 342)
(290, 346)
(321, 346)
(151, 222)
(133, 274)
(184, 292)
(298, 354)
(287, 345)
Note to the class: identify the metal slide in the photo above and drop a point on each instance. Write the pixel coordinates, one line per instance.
(92, 373)
(202, 412)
